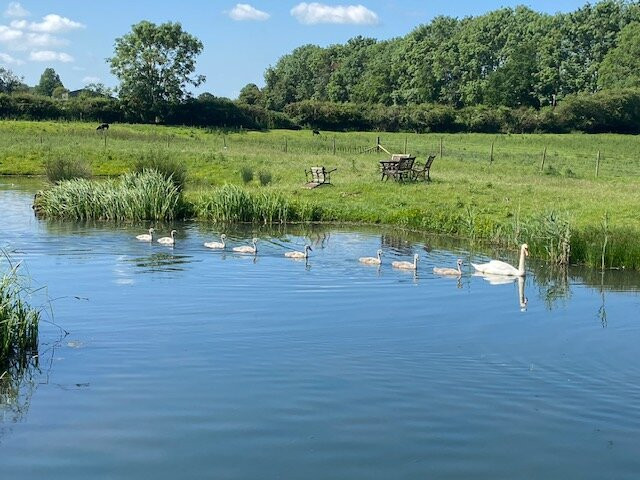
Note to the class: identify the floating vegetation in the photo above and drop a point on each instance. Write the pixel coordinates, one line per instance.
(134, 196)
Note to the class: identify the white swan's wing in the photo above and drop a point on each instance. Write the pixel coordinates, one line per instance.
(496, 267)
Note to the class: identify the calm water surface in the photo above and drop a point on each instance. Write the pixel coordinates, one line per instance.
(188, 363)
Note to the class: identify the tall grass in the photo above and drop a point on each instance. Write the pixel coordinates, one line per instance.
(134, 196)
(18, 323)
(231, 203)
(62, 168)
(169, 167)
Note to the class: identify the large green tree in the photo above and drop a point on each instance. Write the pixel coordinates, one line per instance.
(510, 56)
(155, 65)
(621, 67)
(49, 81)
(9, 81)
(250, 94)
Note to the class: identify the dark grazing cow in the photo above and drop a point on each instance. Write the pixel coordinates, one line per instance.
(316, 132)
(103, 126)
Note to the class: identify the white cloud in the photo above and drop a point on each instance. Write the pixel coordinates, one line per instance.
(50, 56)
(8, 34)
(19, 40)
(19, 24)
(90, 79)
(314, 13)
(16, 10)
(8, 59)
(244, 11)
(44, 40)
(53, 23)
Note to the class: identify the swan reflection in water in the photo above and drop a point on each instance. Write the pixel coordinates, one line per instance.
(504, 280)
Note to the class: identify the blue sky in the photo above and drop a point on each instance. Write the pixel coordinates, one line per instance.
(241, 39)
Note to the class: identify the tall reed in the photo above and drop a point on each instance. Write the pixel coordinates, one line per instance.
(231, 203)
(134, 196)
(18, 323)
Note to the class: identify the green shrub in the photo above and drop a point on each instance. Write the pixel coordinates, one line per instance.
(60, 169)
(247, 174)
(265, 178)
(161, 162)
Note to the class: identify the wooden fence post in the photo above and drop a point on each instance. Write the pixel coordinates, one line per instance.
(598, 164)
(544, 158)
(334, 145)
(441, 147)
(491, 155)
(405, 145)
(286, 145)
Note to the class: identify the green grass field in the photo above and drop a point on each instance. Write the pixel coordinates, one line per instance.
(506, 200)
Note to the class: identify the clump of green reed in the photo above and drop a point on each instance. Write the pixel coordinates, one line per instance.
(61, 169)
(265, 177)
(231, 203)
(161, 162)
(247, 174)
(18, 323)
(134, 196)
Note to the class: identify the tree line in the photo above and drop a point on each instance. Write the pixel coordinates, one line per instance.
(510, 70)
(513, 57)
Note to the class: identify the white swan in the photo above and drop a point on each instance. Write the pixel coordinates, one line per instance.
(217, 245)
(449, 271)
(305, 254)
(247, 248)
(496, 267)
(377, 260)
(168, 240)
(407, 265)
(146, 237)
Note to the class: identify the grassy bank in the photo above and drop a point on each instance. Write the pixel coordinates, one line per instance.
(503, 198)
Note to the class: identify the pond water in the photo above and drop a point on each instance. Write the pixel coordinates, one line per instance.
(188, 363)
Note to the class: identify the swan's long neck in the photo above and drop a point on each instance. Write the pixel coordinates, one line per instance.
(459, 270)
(522, 298)
(415, 262)
(522, 260)
(379, 256)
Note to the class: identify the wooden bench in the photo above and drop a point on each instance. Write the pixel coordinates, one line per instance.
(400, 167)
(317, 176)
(424, 171)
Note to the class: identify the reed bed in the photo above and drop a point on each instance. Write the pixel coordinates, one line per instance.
(147, 195)
(18, 323)
(233, 204)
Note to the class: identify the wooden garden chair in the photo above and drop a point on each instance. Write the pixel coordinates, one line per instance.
(424, 171)
(317, 176)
